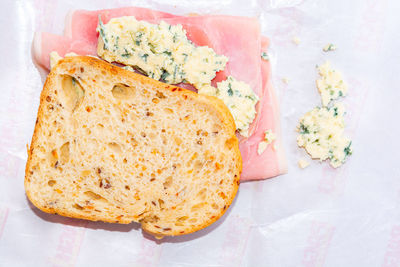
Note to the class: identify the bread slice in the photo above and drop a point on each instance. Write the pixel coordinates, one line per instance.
(116, 146)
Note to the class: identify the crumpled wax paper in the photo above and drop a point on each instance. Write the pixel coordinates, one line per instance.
(318, 216)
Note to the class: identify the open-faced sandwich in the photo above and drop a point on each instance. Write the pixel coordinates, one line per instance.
(161, 127)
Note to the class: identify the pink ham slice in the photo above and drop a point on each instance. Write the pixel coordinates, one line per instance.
(272, 161)
(236, 37)
(82, 24)
(44, 43)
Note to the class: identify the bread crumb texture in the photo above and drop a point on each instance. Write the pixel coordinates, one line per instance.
(115, 146)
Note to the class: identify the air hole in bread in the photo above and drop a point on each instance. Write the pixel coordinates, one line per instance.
(123, 92)
(64, 153)
(115, 147)
(202, 194)
(198, 164)
(216, 128)
(86, 173)
(168, 182)
(53, 158)
(218, 166)
(134, 142)
(77, 206)
(145, 92)
(168, 110)
(178, 141)
(51, 182)
(58, 191)
(198, 206)
(150, 219)
(152, 136)
(160, 95)
(104, 183)
(230, 142)
(94, 196)
(161, 203)
(183, 218)
(164, 140)
(72, 91)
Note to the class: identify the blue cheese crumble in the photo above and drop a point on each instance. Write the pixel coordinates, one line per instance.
(269, 137)
(161, 51)
(329, 47)
(264, 56)
(240, 100)
(320, 133)
(330, 85)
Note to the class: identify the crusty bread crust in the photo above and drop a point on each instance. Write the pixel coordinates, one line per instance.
(214, 105)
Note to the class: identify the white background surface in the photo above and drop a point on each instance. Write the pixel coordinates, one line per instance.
(313, 217)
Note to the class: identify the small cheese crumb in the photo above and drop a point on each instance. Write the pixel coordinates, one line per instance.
(269, 137)
(329, 47)
(262, 146)
(55, 57)
(296, 40)
(264, 56)
(285, 80)
(303, 163)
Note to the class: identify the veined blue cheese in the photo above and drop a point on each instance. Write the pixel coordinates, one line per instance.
(239, 98)
(264, 56)
(161, 51)
(329, 47)
(320, 133)
(330, 85)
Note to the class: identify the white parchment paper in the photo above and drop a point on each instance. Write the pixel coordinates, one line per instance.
(312, 217)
